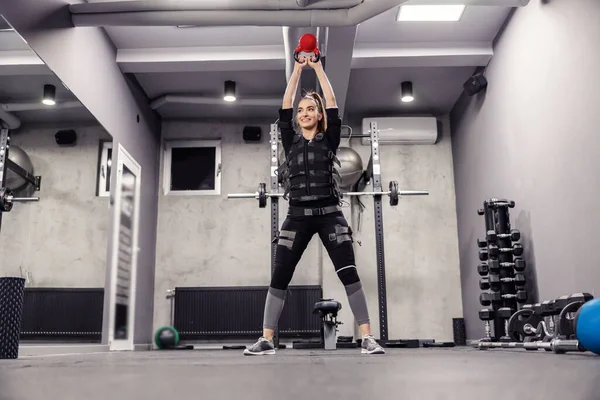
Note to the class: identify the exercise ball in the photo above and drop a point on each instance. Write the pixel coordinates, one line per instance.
(18, 156)
(351, 167)
(166, 337)
(587, 326)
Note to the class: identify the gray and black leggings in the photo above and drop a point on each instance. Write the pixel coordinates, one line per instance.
(294, 236)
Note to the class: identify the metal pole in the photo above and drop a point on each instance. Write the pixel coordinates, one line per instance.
(378, 210)
(557, 345)
(274, 208)
(355, 135)
(4, 141)
(23, 199)
(273, 195)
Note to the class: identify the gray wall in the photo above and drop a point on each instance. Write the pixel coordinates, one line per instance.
(213, 241)
(61, 240)
(533, 137)
(84, 59)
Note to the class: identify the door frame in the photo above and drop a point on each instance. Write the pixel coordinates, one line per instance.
(123, 158)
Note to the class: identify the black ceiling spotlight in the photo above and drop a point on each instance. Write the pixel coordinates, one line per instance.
(229, 93)
(407, 92)
(49, 98)
(475, 84)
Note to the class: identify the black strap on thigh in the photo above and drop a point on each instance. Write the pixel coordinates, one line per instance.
(302, 212)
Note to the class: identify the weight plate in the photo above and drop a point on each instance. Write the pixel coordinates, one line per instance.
(566, 326)
(5, 204)
(518, 322)
(393, 193)
(262, 195)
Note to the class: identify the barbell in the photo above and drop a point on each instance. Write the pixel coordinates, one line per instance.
(7, 200)
(393, 194)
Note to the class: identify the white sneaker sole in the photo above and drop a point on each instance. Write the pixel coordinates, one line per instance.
(261, 353)
(376, 351)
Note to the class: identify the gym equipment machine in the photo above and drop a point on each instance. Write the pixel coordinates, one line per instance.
(6, 196)
(375, 176)
(500, 272)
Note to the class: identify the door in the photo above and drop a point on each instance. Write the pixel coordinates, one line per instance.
(124, 253)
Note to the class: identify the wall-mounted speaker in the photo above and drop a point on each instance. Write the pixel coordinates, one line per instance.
(66, 137)
(252, 133)
(475, 84)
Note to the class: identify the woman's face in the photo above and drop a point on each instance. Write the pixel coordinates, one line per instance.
(308, 114)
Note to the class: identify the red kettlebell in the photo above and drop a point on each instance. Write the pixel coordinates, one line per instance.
(307, 46)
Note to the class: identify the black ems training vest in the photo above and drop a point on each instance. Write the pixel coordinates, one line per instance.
(309, 170)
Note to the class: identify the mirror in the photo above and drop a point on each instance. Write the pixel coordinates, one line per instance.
(58, 173)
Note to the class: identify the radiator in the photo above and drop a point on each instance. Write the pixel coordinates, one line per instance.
(237, 312)
(62, 314)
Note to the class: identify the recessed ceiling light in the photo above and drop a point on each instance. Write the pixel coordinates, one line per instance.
(430, 13)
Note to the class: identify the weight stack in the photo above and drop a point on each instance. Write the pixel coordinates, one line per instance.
(500, 238)
(11, 311)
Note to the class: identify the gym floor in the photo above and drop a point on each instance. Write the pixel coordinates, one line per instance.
(456, 373)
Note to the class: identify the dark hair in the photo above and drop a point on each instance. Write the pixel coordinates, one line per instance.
(314, 96)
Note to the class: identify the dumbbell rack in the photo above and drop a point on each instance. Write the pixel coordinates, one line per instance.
(499, 253)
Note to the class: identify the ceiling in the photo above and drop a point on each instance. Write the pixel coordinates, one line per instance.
(365, 64)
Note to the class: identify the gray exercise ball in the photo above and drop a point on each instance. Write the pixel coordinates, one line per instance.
(18, 156)
(352, 167)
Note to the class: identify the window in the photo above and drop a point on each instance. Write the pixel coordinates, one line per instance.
(106, 149)
(192, 167)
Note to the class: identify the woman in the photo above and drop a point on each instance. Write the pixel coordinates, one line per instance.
(310, 180)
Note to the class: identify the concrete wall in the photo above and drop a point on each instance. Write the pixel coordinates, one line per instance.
(533, 137)
(84, 59)
(212, 240)
(61, 240)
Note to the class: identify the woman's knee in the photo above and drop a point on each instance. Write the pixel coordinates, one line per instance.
(348, 274)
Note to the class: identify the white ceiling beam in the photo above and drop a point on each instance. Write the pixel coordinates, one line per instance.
(22, 62)
(239, 13)
(190, 59)
(208, 5)
(272, 58)
(389, 55)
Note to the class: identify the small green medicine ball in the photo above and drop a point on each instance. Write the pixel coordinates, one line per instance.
(166, 337)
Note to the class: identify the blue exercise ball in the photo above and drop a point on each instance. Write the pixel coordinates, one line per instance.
(588, 326)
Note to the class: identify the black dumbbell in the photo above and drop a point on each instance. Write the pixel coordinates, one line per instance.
(505, 312)
(519, 279)
(494, 250)
(495, 297)
(549, 308)
(482, 269)
(502, 203)
(583, 297)
(486, 314)
(561, 302)
(483, 254)
(481, 243)
(484, 283)
(518, 265)
(494, 281)
(565, 300)
(514, 235)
